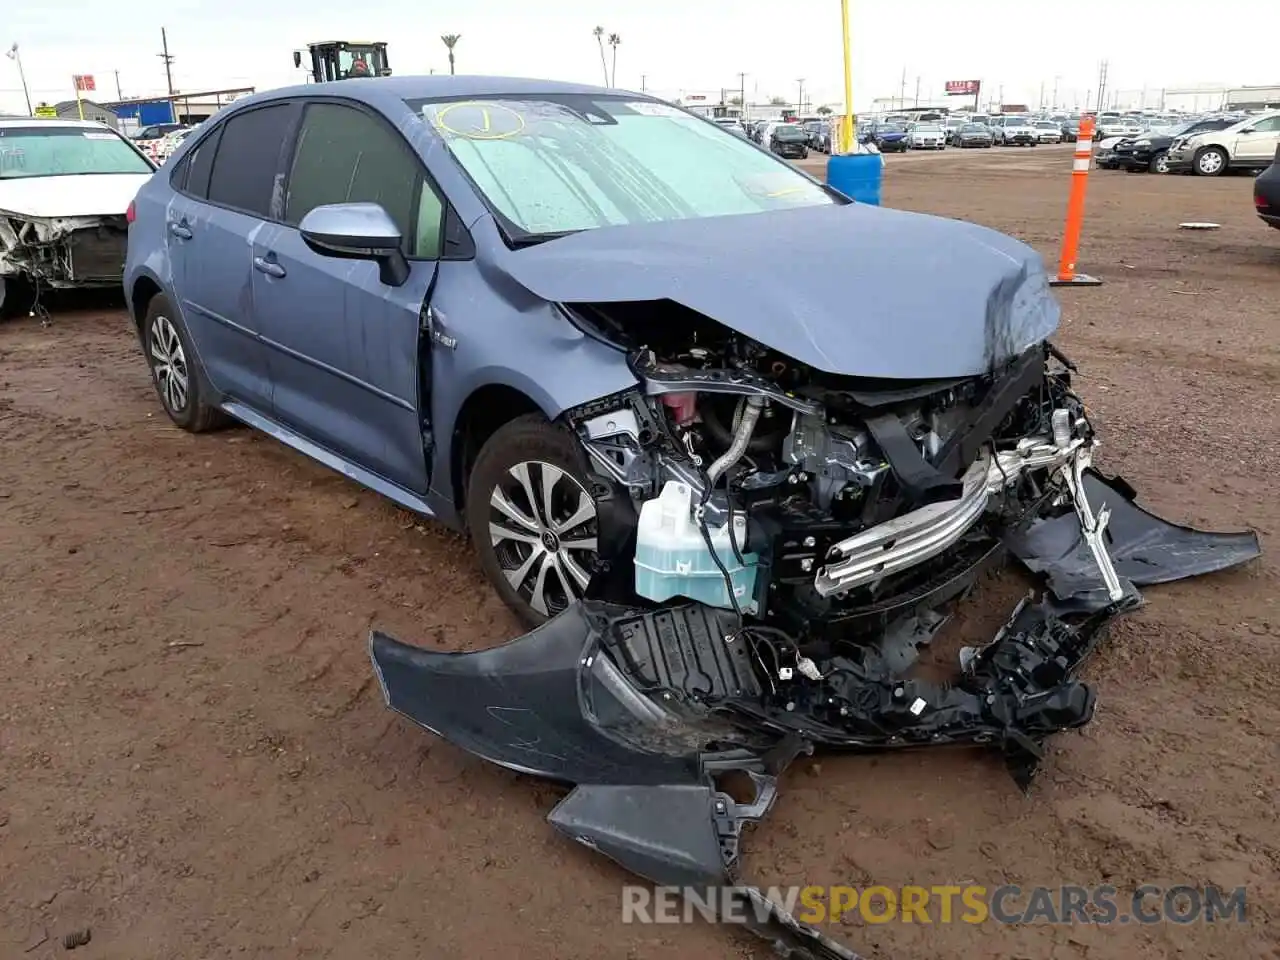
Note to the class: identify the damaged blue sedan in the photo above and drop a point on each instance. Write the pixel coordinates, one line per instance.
(732, 445)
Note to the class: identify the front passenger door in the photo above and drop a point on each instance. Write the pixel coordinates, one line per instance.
(1258, 146)
(342, 346)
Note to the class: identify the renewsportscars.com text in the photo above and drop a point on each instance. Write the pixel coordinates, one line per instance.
(943, 903)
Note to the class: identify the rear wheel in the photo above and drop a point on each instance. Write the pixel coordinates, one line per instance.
(532, 517)
(175, 371)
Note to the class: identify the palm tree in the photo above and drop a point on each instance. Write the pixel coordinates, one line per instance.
(614, 40)
(451, 40)
(598, 33)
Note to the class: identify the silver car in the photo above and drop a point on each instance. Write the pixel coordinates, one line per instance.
(926, 136)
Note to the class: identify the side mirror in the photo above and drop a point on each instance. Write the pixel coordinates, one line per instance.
(357, 231)
(1249, 130)
(297, 58)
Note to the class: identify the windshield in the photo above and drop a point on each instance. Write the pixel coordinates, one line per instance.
(927, 128)
(358, 61)
(788, 132)
(973, 128)
(575, 162)
(1047, 124)
(65, 151)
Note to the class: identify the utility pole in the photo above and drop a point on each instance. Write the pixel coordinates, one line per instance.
(167, 59)
(1040, 103)
(902, 90)
(1102, 84)
(800, 94)
(742, 95)
(643, 78)
(917, 103)
(119, 95)
(1055, 92)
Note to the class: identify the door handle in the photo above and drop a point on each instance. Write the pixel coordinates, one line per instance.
(269, 267)
(180, 230)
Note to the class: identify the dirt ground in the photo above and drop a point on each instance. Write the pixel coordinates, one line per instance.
(195, 761)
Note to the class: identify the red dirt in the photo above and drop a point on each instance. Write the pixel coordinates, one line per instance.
(195, 761)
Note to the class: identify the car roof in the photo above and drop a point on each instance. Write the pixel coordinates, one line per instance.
(382, 90)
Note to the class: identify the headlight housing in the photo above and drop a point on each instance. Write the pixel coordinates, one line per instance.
(1142, 143)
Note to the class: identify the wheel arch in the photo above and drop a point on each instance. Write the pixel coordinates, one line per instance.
(486, 410)
(143, 290)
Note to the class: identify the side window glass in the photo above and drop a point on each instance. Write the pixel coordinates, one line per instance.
(1270, 125)
(427, 241)
(248, 158)
(345, 155)
(199, 165)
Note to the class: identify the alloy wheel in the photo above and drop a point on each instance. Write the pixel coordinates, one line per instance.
(1162, 163)
(542, 527)
(1210, 162)
(169, 363)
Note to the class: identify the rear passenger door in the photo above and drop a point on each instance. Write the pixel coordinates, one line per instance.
(343, 347)
(226, 187)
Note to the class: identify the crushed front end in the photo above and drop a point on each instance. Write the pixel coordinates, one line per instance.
(776, 547)
(61, 252)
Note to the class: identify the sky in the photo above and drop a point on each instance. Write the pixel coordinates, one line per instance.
(668, 47)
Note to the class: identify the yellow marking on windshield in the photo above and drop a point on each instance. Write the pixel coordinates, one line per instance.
(782, 193)
(509, 122)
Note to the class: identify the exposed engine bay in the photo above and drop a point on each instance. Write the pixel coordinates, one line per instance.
(60, 252)
(776, 547)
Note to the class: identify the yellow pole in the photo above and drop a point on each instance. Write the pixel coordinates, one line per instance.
(846, 128)
(79, 102)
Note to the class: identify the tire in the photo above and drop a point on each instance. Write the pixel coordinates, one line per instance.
(16, 297)
(175, 371)
(530, 454)
(1211, 162)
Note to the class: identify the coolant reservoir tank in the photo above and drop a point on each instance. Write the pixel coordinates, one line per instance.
(672, 559)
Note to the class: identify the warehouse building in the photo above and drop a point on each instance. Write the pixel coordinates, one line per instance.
(89, 110)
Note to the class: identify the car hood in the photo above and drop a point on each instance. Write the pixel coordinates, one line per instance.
(76, 195)
(849, 289)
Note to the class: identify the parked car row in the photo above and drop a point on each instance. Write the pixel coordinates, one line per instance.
(1207, 146)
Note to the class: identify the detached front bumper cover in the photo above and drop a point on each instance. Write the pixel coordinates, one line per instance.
(647, 712)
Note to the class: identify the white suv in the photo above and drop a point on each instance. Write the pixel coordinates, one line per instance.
(1248, 145)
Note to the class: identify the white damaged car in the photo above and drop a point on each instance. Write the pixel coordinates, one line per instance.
(65, 188)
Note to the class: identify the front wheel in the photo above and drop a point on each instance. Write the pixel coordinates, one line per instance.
(532, 518)
(1159, 163)
(1211, 162)
(17, 296)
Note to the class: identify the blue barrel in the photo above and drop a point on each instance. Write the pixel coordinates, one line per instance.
(857, 175)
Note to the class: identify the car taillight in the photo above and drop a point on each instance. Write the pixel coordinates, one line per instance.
(130, 214)
(1259, 202)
